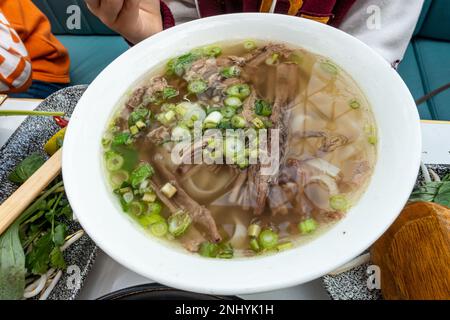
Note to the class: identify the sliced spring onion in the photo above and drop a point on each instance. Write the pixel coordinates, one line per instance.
(238, 122)
(212, 51)
(233, 102)
(159, 229)
(307, 226)
(228, 112)
(119, 177)
(180, 133)
(149, 197)
(233, 147)
(154, 208)
(208, 249)
(254, 230)
(169, 115)
(136, 208)
(169, 92)
(139, 114)
(254, 245)
(121, 138)
(339, 202)
(354, 104)
(284, 246)
(268, 239)
(329, 67)
(240, 90)
(125, 190)
(149, 219)
(230, 72)
(263, 108)
(114, 161)
(195, 113)
(258, 123)
(213, 119)
(225, 251)
(168, 190)
(273, 59)
(197, 86)
(140, 124)
(128, 197)
(249, 45)
(134, 130)
(179, 222)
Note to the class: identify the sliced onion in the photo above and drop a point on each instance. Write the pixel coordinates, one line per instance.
(324, 166)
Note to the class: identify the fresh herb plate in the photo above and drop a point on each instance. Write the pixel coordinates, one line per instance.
(29, 138)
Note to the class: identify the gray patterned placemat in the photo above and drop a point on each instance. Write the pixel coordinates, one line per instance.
(30, 137)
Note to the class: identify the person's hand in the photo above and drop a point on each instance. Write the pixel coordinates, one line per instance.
(135, 20)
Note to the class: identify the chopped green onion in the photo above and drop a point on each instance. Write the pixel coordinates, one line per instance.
(233, 102)
(242, 162)
(339, 202)
(230, 72)
(273, 59)
(149, 219)
(169, 115)
(268, 239)
(169, 92)
(134, 130)
(254, 245)
(154, 208)
(225, 124)
(240, 90)
(179, 222)
(329, 67)
(135, 208)
(159, 229)
(149, 197)
(114, 161)
(354, 104)
(180, 133)
(284, 246)
(140, 124)
(197, 86)
(118, 177)
(139, 114)
(128, 197)
(142, 172)
(225, 251)
(249, 45)
(254, 230)
(263, 108)
(238, 122)
(307, 226)
(213, 119)
(208, 249)
(121, 138)
(258, 123)
(233, 147)
(212, 51)
(228, 112)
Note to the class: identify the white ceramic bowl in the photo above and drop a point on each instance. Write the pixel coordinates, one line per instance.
(395, 172)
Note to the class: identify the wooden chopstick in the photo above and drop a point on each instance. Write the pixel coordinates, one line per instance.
(12, 207)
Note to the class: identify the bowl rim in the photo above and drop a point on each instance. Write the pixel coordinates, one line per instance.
(196, 273)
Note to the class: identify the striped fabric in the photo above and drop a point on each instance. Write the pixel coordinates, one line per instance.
(15, 64)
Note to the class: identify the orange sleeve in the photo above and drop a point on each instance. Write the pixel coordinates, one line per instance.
(15, 64)
(49, 58)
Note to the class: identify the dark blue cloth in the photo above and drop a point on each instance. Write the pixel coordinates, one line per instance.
(39, 90)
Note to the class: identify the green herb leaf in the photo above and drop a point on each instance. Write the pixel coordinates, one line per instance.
(12, 265)
(59, 234)
(57, 259)
(26, 168)
(38, 259)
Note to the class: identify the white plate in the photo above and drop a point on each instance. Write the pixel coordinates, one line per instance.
(393, 178)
